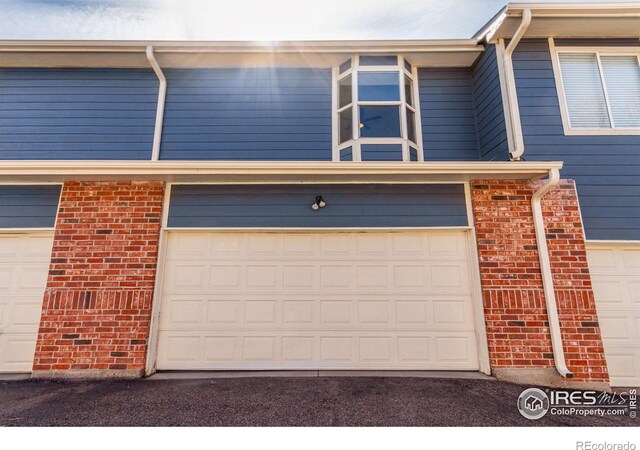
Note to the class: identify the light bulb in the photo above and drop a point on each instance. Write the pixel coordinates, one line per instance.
(315, 206)
(322, 204)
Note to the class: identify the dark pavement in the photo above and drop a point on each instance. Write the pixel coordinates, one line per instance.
(342, 401)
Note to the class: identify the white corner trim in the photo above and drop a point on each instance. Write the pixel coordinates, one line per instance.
(547, 276)
(152, 348)
(476, 283)
(162, 95)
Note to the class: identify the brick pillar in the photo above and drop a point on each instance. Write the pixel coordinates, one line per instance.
(515, 311)
(97, 304)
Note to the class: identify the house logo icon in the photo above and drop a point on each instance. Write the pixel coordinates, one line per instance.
(533, 403)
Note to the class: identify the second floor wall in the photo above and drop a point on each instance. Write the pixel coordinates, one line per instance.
(262, 114)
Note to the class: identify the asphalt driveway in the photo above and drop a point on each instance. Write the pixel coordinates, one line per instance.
(338, 401)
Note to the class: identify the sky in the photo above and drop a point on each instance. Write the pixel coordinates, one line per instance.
(245, 20)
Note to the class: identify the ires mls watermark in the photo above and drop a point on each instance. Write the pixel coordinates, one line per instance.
(536, 403)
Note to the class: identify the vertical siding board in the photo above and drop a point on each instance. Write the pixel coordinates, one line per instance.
(77, 113)
(606, 168)
(248, 114)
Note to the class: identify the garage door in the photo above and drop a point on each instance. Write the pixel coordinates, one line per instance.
(24, 263)
(317, 300)
(615, 272)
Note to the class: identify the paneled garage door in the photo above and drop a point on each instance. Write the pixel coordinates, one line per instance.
(328, 300)
(615, 273)
(24, 262)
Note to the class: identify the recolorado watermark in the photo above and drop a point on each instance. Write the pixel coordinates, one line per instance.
(589, 445)
(534, 403)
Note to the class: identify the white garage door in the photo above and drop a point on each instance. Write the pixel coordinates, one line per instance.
(330, 300)
(615, 273)
(24, 263)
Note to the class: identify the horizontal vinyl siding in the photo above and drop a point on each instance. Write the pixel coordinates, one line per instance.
(290, 206)
(606, 168)
(248, 114)
(28, 206)
(449, 131)
(492, 130)
(77, 113)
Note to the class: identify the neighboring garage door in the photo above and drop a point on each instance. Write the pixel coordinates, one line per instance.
(296, 300)
(615, 273)
(24, 262)
(358, 294)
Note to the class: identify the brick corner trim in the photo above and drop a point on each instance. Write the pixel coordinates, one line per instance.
(514, 303)
(96, 311)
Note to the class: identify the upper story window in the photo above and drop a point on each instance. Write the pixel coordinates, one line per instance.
(599, 91)
(376, 114)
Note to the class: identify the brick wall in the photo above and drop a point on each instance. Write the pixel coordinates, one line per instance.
(97, 304)
(516, 318)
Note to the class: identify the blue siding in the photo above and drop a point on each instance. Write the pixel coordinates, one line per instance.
(492, 130)
(248, 114)
(449, 131)
(28, 206)
(77, 113)
(386, 152)
(606, 168)
(290, 206)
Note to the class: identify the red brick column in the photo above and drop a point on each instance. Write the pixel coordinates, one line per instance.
(515, 310)
(97, 304)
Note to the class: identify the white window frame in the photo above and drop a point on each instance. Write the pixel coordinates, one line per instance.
(356, 142)
(564, 109)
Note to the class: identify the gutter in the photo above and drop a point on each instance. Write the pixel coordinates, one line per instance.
(512, 96)
(547, 276)
(162, 95)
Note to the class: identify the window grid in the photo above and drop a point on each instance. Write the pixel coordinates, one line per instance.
(357, 142)
(598, 53)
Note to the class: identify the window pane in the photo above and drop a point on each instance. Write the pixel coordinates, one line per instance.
(622, 78)
(345, 66)
(379, 121)
(407, 65)
(344, 92)
(411, 126)
(346, 125)
(378, 86)
(381, 152)
(378, 60)
(408, 90)
(583, 91)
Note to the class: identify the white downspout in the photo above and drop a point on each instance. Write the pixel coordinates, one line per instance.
(547, 277)
(162, 95)
(516, 125)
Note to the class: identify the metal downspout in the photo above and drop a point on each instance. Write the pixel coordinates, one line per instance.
(162, 94)
(547, 277)
(516, 125)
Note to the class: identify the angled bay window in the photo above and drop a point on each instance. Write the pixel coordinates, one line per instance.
(376, 116)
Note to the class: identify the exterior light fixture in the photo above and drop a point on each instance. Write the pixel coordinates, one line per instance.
(319, 203)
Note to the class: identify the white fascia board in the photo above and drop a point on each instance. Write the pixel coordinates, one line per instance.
(373, 46)
(578, 20)
(266, 172)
